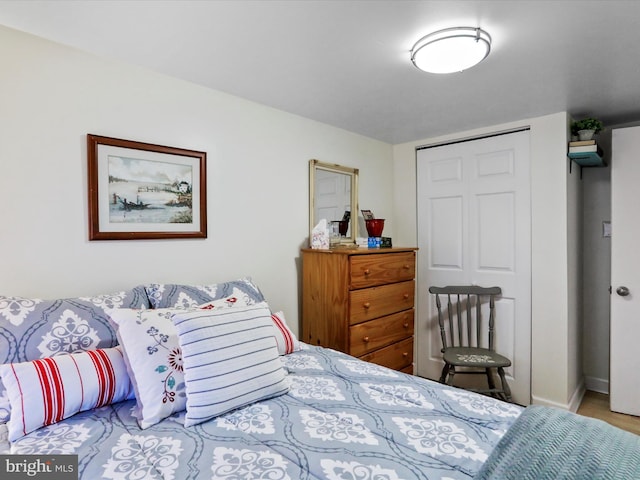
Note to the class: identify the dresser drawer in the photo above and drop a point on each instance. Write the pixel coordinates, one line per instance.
(370, 303)
(408, 369)
(378, 269)
(372, 335)
(398, 356)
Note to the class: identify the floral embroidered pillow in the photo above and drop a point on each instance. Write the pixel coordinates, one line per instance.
(154, 361)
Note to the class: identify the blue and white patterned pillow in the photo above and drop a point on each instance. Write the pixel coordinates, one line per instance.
(171, 295)
(32, 328)
(230, 359)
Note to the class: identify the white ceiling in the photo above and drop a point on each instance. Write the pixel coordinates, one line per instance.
(346, 63)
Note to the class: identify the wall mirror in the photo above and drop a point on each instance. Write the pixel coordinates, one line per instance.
(333, 191)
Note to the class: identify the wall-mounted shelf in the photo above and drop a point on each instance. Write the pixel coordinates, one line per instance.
(586, 159)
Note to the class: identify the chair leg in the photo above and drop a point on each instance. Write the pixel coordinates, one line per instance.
(490, 382)
(445, 371)
(505, 385)
(452, 372)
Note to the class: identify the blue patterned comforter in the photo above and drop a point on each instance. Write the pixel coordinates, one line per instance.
(342, 418)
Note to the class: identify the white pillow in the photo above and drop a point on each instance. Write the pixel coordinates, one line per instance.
(286, 340)
(154, 361)
(154, 357)
(230, 359)
(48, 390)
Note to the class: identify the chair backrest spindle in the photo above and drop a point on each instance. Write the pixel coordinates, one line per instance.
(450, 312)
(443, 333)
(460, 322)
(492, 316)
(478, 320)
(469, 322)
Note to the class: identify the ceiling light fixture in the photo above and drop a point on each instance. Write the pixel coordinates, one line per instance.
(451, 50)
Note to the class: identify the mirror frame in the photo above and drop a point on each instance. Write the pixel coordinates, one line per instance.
(315, 165)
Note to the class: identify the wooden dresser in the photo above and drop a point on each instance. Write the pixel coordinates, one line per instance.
(361, 302)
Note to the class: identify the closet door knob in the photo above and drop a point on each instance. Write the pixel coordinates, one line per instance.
(622, 291)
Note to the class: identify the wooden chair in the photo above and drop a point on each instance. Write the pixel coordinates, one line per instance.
(466, 348)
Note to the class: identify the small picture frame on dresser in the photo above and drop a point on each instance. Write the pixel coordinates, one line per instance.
(367, 214)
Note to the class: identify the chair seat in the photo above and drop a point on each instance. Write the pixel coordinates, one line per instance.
(474, 357)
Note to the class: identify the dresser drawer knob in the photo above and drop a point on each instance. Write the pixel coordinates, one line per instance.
(406, 296)
(366, 339)
(405, 354)
(407, 267)
(366, 305)
(405, 325)
(367, 272)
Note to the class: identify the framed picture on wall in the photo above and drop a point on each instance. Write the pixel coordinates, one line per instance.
(144, 191)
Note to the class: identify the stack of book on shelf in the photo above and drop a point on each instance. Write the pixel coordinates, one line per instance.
(586, 153)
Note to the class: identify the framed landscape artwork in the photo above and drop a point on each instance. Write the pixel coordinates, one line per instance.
(145, 191)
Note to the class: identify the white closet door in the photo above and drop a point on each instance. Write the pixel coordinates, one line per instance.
(624, 374)
(474, 227)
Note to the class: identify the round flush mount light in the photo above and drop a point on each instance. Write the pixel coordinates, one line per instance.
(451, 50)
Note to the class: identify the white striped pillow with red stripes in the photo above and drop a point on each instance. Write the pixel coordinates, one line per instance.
(45, 391)
(285, 339)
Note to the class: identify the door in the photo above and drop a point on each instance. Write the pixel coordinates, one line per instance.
(474, 227)
(624, 376)
(332, 195)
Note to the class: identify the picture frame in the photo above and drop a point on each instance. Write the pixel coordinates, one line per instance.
(367, 214)
(142, 191)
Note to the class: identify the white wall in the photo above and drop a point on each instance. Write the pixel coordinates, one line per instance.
(575, 318)
(596, 195)
(52, 96)
(555, 353)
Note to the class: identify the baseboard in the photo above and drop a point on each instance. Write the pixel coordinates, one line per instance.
(548, 403)
(599, 385)
(576, 398)
(572, 405)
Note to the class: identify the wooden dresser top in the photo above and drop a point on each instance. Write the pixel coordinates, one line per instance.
(359, 250)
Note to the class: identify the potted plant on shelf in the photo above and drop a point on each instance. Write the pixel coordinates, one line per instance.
(586, 128)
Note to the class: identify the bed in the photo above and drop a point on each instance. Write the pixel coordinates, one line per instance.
(309, 413)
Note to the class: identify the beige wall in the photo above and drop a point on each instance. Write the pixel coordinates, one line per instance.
(556, 361)
(52, 96)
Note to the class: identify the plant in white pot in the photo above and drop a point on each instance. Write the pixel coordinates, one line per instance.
(586, 128)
